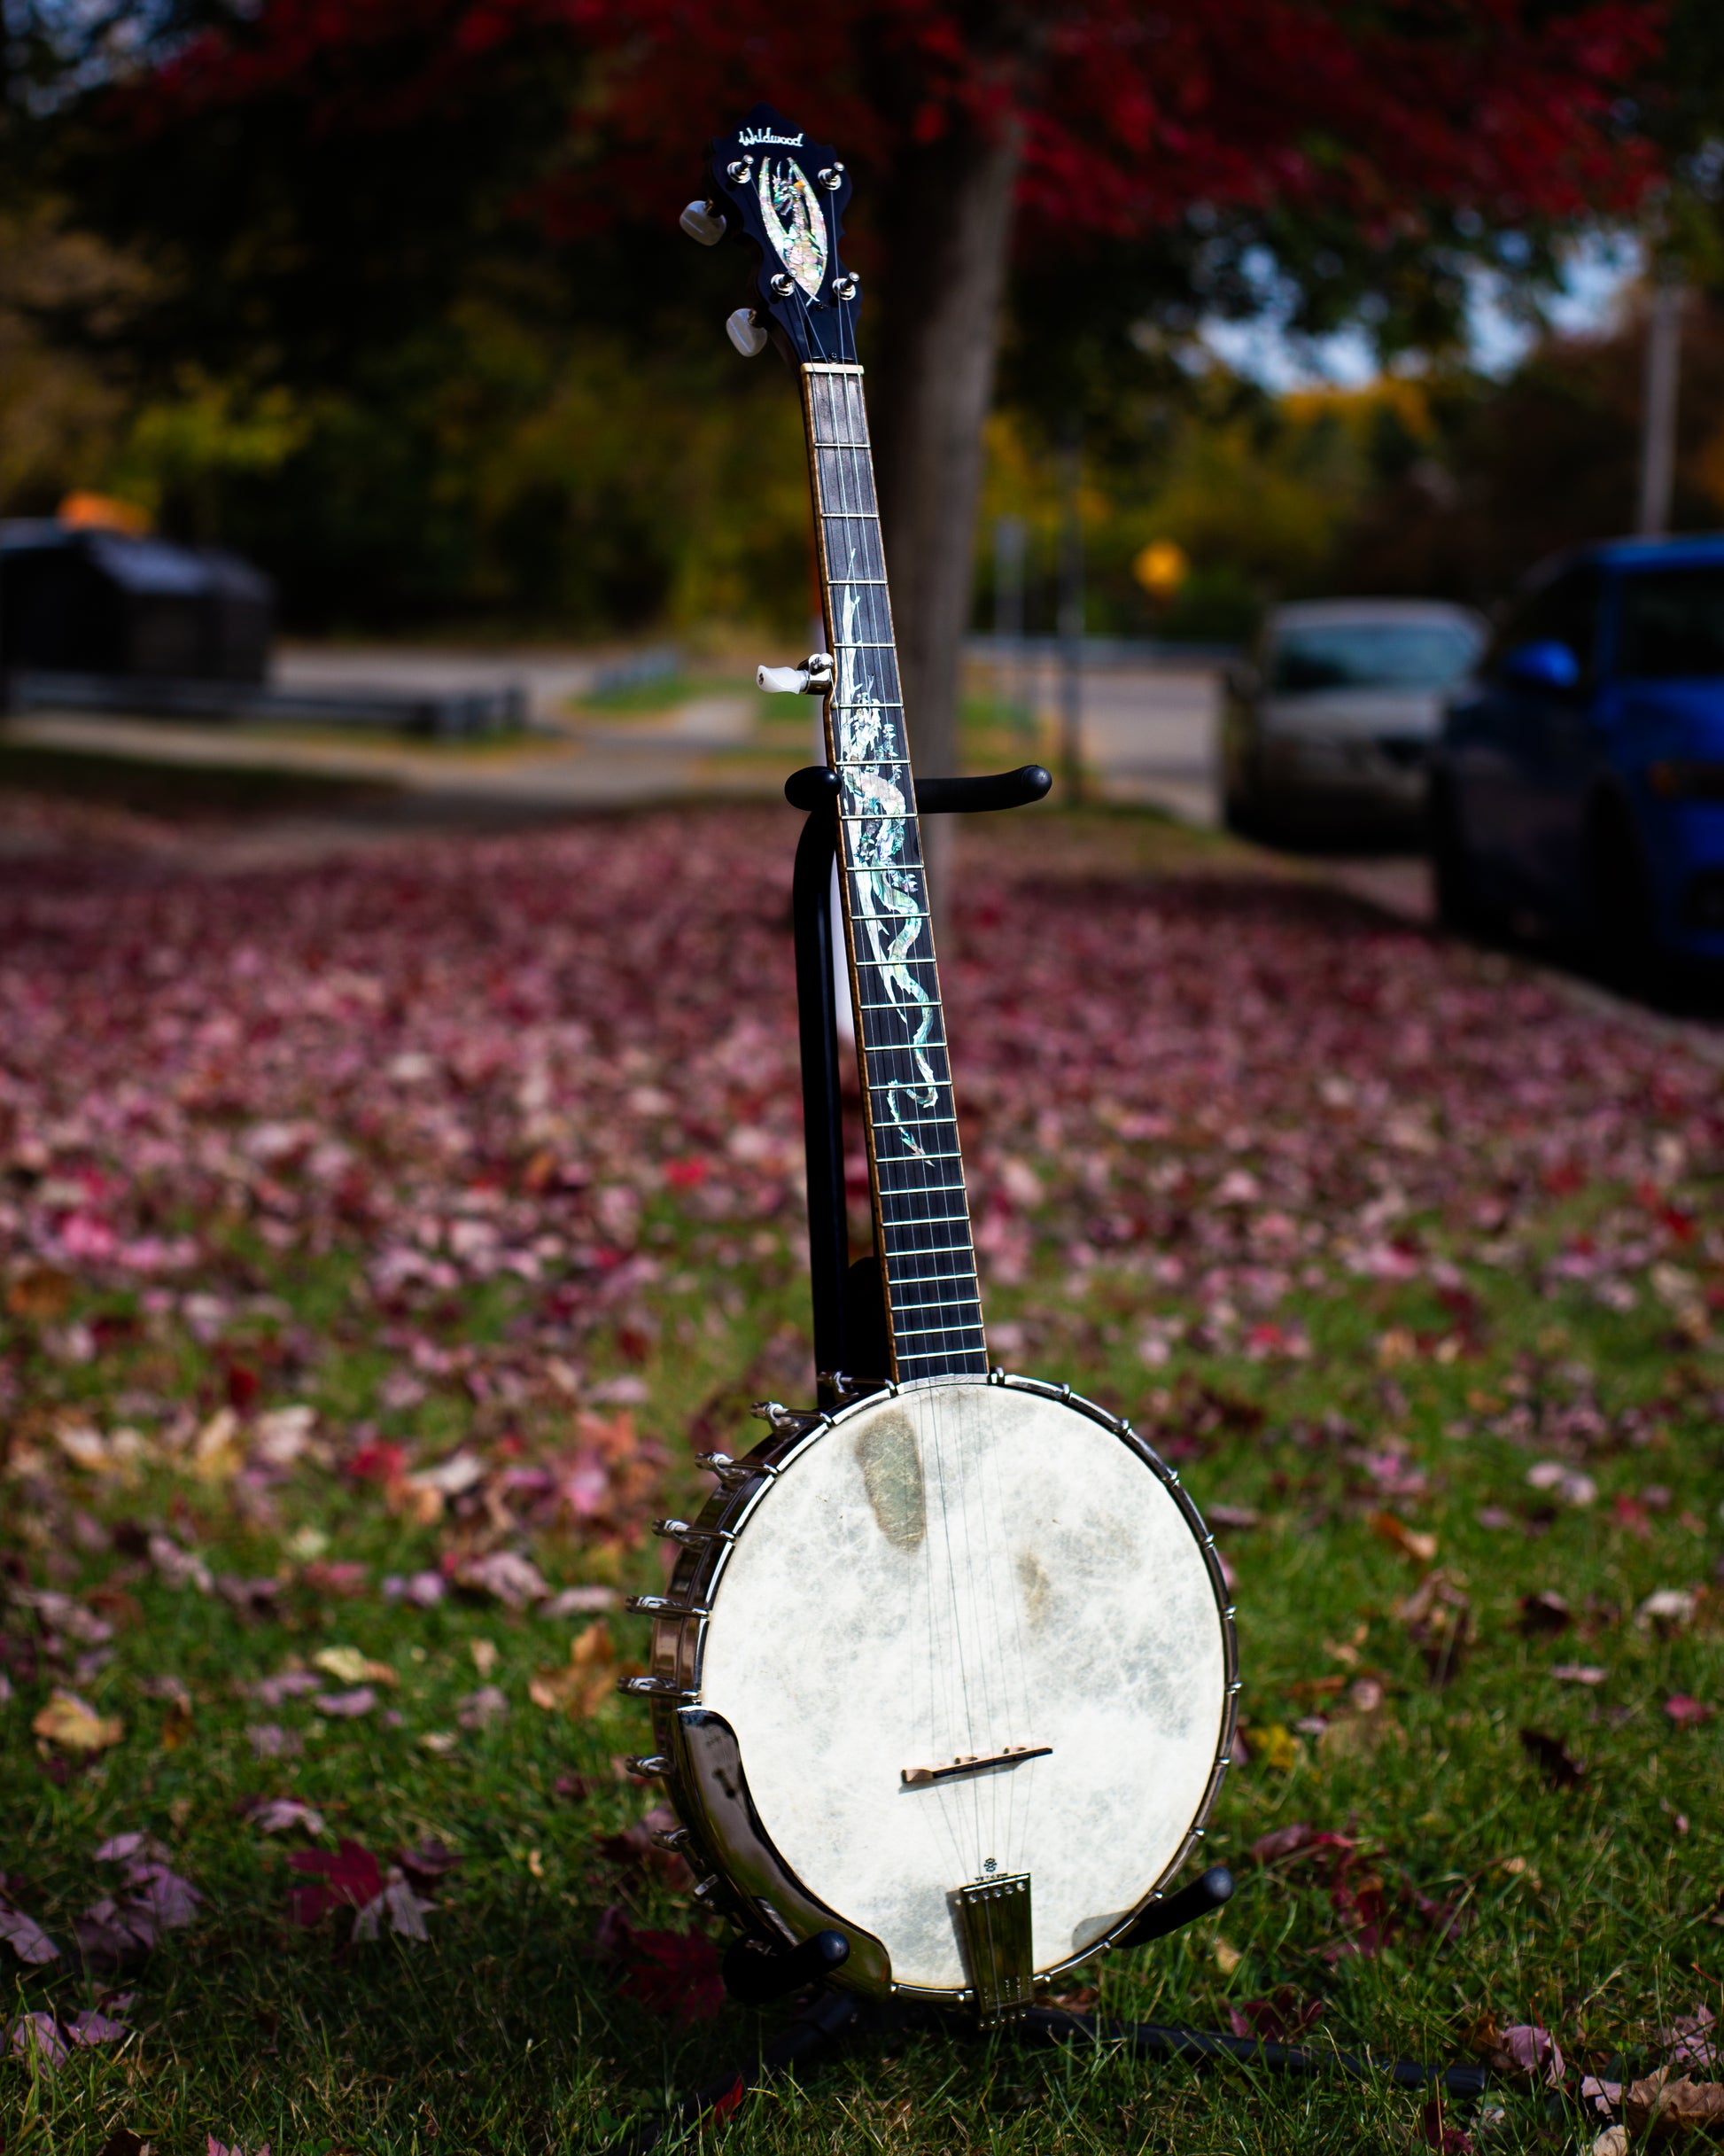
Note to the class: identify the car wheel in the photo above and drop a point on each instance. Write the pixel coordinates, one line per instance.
(1239, 816)
(1462, 907)
(1621, 914)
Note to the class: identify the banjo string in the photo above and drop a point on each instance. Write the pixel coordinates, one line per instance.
(980, 1674)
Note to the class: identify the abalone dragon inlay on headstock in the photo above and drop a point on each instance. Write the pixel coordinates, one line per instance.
(943, 1683)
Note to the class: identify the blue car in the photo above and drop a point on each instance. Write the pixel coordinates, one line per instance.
(1578, 778)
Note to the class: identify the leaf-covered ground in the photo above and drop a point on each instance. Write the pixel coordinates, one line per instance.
(382, 1237)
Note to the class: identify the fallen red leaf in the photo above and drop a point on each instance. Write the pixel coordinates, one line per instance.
(1282, 2018)
(351, 1878)
(668, 1973)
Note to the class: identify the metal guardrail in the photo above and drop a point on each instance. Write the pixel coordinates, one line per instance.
(441, 714)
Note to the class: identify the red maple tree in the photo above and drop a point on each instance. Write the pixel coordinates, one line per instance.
(972, 124)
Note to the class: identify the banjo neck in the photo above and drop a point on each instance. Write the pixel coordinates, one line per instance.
(915, 1165)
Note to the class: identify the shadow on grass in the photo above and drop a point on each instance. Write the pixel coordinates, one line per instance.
(178, 792)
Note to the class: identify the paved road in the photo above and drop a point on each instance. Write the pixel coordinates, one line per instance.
(1148, 738)
(1148, 734)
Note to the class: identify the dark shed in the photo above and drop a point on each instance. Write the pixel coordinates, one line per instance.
(74, 600)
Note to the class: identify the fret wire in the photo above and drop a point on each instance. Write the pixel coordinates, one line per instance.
(878, 1032)
(931, 1280)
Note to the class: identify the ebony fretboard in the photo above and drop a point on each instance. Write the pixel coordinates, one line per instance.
(922, 1214)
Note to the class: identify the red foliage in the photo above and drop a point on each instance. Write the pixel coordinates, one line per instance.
(1129, 115)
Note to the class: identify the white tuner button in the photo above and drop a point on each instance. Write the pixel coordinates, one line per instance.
(745, 332)
(813, 678)
(782, 681)
(703, 222)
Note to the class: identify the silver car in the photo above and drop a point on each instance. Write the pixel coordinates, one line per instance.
(1326, 728)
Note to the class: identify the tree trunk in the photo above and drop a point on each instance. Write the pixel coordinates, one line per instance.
(947, 225)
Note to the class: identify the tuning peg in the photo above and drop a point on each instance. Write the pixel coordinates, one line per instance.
(703, 222)
(813, 678)
(745, 332)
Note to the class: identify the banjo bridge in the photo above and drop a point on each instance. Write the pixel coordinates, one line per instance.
(974, 1762)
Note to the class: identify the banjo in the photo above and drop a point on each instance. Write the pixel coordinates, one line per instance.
(943, 1681)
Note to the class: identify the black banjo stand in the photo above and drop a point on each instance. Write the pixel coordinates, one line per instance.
(849, 1336)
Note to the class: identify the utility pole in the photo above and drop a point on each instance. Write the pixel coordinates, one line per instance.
(1658, 441)
(1071, 613)
(1009, 543)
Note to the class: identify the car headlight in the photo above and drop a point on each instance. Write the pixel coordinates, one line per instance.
(1675, 779)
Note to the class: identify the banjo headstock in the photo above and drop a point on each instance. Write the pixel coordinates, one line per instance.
(787, 196)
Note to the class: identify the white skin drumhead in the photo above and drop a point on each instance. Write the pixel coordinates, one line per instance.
(958, 1571)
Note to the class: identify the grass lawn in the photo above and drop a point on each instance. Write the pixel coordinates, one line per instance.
(381, 1240)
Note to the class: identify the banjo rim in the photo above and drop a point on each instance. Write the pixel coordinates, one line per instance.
(681, 1620)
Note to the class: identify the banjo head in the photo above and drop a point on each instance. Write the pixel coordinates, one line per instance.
(956, 1636)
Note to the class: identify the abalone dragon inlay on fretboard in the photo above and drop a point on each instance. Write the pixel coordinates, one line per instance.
(933, 1305)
